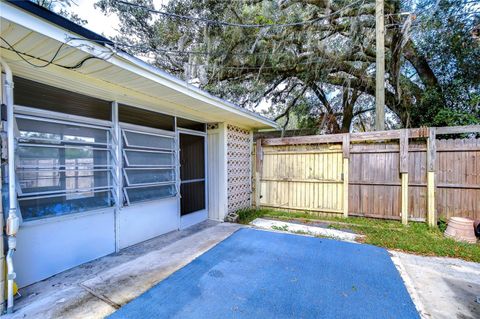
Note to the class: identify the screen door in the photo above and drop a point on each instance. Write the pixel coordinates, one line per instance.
(192, 173)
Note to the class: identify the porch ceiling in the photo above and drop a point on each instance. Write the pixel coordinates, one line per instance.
(112, 76)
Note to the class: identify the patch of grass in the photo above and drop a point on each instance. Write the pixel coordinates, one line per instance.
(415, 237)
(245, 216)
(280, 228)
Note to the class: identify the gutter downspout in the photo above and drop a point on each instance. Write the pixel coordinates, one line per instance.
(13, 222)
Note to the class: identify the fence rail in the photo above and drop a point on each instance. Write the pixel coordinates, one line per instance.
(407, 174)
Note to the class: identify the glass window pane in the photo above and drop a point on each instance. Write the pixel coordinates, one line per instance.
(57, 132)
(61, 167)
(35, 181)
(43, 156)
(145, 176)
(139, 158)
(141, 194)
(135, 139)
(36, 208)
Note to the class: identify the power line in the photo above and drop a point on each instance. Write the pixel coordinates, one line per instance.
(52, 60)
(173, 51)
(240, 25)
(210, 65)
(47, 63)
(82, 62)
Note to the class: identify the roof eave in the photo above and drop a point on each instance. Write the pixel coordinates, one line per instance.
(62, 29)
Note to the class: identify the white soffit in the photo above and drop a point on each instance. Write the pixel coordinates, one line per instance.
(122, 77)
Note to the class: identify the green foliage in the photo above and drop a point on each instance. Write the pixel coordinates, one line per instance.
(448, 117)
(442, 224)
(245, 216)
(432, 61)
(432, 111)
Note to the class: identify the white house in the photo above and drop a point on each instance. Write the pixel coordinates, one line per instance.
(108, 151)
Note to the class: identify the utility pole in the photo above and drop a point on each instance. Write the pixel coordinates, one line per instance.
(380, 66)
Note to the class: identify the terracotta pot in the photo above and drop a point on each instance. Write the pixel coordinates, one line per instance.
(461, 229)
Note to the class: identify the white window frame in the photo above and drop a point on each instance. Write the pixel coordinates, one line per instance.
(126, 146)
(35, 114)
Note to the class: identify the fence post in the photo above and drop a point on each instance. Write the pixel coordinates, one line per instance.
(404, 173)
(258, 171)
(346, 157)
(431, 168)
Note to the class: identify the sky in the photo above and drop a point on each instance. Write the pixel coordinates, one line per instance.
(97, 21)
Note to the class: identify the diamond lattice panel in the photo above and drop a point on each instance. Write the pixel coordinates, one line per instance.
(239, 168)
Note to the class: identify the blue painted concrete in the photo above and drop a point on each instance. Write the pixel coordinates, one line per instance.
(259, 274)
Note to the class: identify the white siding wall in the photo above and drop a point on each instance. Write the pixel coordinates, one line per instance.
(143, 221)
(217, 172)
(47, 247)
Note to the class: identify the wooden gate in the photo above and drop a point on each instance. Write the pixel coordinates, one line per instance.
(303, 177)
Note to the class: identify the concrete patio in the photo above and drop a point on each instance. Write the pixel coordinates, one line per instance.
(98, 288)
(439, 287)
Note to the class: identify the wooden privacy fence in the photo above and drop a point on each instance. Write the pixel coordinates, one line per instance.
(406, 174)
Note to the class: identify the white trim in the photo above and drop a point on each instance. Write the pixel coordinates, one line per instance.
(128, 144)
(147, 200)
(150, 185)
(251, 168)
(49, 169)
(147, 133)
(33, 195)
(86, 146)
(198, 180)
(225, 167)
(61, 218)
(125, 157)
(117, 150)
(177, 174)
(27, 140)
(54, 168)
(125, 169)
(30, 196)
(205, 179)
(146, 129)
(190, 132)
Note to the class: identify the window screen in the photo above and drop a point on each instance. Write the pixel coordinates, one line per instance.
(149, 165)
(192, 173)
(138, 116)
(46, 97)
(191, 125)
(62, 167)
